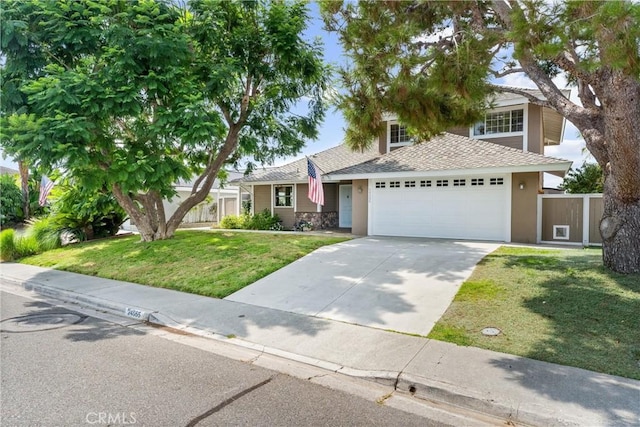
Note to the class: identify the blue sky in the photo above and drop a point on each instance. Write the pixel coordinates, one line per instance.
(332, 130)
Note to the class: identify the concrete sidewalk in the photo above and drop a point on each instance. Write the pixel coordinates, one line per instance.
(519, 389)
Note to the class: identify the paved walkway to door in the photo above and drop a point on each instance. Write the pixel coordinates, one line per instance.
(398, 284)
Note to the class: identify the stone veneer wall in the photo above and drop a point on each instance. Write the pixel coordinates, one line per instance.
(320, 220)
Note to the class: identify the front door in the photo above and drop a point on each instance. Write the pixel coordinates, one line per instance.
(344, 212)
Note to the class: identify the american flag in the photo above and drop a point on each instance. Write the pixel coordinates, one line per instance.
(45, 188)
(316, 193)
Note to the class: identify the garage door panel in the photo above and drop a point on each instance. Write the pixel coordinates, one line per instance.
(469, 212)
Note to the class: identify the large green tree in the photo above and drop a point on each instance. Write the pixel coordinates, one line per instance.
(433, 63)
(135, 95)
(586, 179)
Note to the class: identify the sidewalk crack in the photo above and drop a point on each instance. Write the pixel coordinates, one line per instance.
(228, 401)
(395, 386)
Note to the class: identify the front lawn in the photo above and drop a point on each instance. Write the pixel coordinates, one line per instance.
(211, 263)
(559, 306)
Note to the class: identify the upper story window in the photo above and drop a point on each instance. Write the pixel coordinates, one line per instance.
(284, 196)
(500, 122)
(398, 134)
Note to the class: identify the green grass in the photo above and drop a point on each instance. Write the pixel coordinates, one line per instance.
(559, 306)
(214, 263)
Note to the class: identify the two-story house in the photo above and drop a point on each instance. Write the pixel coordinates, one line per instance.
(479, 182)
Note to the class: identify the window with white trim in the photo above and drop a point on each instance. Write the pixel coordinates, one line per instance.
(496, 181)
(394, 184)
(442, 183)
(500, 122)
(409, 184)
(477, 181)
(459, 182)
(398, 134)
(284, 196)
(425, 183)
(381, 184)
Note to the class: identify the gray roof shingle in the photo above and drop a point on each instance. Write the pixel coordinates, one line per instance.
(327, 161)
(443, 152)
(450, 152)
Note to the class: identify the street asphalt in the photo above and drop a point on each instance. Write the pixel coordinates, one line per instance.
(513, 388)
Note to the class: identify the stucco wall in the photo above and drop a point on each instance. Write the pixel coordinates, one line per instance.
(287, 216)
(534, 135)
(524, 207)
(460, 130)
(507, 141)
(360, 207)
(261, 198)
(330, 198)
(303, 204)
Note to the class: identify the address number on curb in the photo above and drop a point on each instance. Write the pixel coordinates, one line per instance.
(132, 312)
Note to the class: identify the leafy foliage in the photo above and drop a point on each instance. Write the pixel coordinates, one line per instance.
(134, 96)
(260, 221)
(84, 214)
(234, 222)
(586, 179)
(45, 231)
(10, 200)
(7, 246)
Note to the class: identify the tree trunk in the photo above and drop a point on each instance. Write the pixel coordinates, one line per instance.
(150, 219)
(620, 225)
(145, 218)
(24, 184)
(620, 230)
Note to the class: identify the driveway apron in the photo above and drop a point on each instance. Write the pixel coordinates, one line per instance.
(392, 283)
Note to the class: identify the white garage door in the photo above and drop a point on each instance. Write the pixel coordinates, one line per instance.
(450, 207)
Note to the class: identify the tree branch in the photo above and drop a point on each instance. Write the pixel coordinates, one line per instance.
(499, 74)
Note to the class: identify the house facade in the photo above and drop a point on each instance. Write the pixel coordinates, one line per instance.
(479, 182)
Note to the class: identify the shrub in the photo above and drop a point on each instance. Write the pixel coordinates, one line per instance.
(46, 233)
(260, 221)
(86, 215)
(7, 247)
(25, 245)
(233, 222)
(10, 200)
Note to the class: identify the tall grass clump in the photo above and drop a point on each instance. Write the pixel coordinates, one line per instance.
(7, 246)
(25, 245)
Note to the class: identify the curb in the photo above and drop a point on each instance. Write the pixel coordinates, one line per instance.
(95, 303)
(452, 394)
(415, 385)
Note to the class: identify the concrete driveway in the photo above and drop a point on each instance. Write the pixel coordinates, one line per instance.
(398, 284)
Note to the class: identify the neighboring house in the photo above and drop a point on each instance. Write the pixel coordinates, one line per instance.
(8, 171)
(222, 201)
(480, 182)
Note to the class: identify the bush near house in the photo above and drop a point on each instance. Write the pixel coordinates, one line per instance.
(260, 221)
